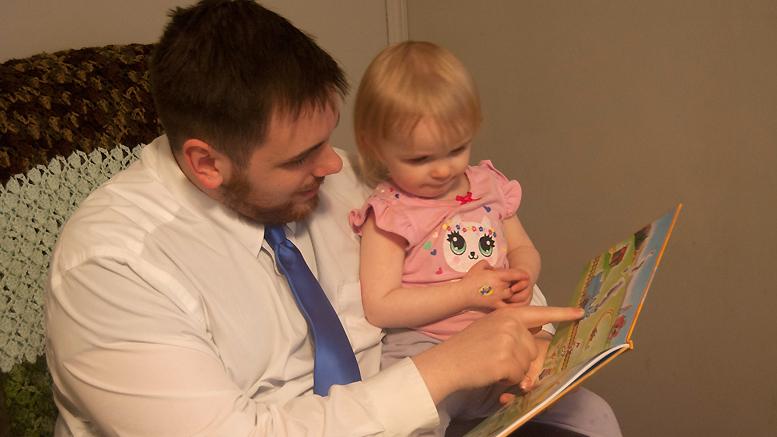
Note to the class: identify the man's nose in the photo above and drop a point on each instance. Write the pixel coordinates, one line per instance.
(328, 162)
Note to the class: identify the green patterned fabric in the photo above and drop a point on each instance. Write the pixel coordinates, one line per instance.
(31, 408)
(33, 208)
(68, 122)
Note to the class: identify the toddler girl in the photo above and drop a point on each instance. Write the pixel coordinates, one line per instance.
(441, 243)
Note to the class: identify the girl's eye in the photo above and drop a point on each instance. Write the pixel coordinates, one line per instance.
(418, 160)
(458, 151)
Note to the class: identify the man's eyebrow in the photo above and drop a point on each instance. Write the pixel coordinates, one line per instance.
(305, 153)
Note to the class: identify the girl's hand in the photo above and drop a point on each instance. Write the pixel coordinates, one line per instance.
(487, 288)
(523, 290)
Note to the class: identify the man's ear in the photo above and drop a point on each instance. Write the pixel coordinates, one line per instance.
(207, 164)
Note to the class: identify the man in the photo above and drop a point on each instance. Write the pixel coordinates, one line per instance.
(167, 311)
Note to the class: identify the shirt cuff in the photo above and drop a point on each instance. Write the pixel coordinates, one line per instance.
(402, 401)
(538, 299)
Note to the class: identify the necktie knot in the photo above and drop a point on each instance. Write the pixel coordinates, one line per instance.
(274, 235)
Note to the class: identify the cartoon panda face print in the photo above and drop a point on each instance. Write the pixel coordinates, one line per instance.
(466, 243)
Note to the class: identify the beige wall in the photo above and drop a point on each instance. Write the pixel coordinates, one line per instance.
(611, 112)
(28, 27)
(353, 31)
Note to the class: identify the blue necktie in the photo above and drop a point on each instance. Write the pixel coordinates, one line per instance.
(334, 362)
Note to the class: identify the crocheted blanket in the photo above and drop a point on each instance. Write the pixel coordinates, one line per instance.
(33, 208)
(54, 104)
(68, 122)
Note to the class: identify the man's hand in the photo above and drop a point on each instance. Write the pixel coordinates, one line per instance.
(542, 340)
(543, 343)
(497, 348)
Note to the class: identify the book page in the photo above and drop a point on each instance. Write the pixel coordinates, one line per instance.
(510, 416)
(611, 290)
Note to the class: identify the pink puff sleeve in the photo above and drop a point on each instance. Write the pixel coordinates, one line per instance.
(390, 215)
(510, 189)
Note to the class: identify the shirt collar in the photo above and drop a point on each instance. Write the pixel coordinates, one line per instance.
(200, 204)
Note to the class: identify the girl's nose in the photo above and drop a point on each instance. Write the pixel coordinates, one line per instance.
(441, 171)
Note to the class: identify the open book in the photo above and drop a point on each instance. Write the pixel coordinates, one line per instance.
(611, 290)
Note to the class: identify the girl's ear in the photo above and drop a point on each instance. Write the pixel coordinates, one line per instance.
(364, 144)
(206, 163)
(369, 147)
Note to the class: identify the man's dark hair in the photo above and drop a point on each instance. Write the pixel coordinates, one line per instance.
(223, 68)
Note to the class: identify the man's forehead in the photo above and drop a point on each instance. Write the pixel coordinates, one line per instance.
(285, 115)
(292, 134)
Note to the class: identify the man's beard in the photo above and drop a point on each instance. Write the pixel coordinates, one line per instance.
(237, 196)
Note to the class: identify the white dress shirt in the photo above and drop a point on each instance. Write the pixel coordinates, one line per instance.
(166, 316)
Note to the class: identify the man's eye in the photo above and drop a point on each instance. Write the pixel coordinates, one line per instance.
(298, 161)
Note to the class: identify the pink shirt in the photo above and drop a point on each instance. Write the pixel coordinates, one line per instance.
(446, 237)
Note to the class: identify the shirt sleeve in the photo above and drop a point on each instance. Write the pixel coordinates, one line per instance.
(128, 360)
(390, 216)
(510, 189)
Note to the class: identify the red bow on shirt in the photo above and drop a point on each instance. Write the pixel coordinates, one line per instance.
(467, 199)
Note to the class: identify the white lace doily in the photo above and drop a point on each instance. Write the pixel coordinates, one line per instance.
(33, 208)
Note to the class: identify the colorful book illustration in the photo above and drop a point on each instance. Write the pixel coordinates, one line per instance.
(611, 289)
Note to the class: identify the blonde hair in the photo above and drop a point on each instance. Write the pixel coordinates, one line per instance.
(406, 82)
